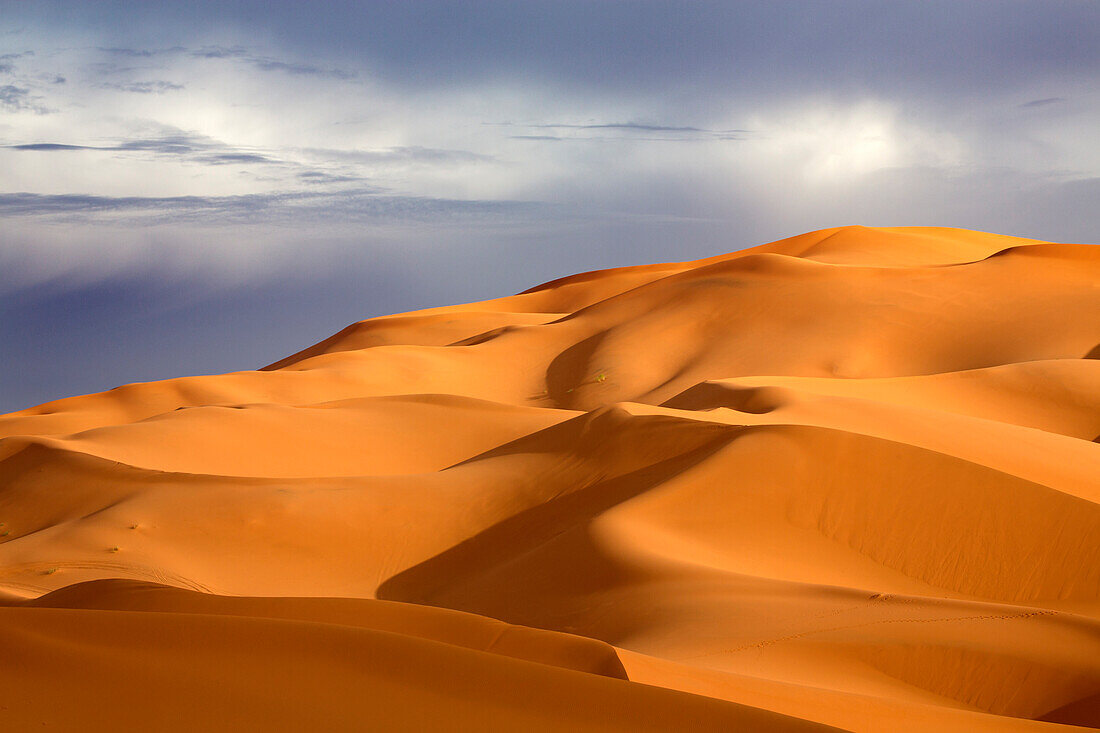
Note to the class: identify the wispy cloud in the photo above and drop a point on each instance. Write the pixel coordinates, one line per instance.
(46, 147)
(143, 53)
(7, 61)
(233, 53)
(176, 143)
(320, 177)
(218, 52)
(401, 154)
(674, 132)
(363, 205)
(626, 126)
(21, 99)
(223, 158)
(197, 147)
(1043, 102)
(143, 87)
(314, 165)
(31, 204)
(268, 64)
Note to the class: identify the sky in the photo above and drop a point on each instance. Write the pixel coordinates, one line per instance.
(205, 187)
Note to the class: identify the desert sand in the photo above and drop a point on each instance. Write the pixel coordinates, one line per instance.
(847, 480)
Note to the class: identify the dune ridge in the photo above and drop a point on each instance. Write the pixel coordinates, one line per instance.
(846, 480)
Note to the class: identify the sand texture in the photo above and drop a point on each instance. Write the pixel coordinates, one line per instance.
(847, 480)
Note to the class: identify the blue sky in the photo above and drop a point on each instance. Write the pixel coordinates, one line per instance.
(203, 187)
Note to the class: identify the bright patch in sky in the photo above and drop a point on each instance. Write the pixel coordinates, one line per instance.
(465, 150)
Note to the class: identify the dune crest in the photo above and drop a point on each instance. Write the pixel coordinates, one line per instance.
(846, 480)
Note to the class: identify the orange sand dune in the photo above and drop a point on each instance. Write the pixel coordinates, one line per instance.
(849, 479)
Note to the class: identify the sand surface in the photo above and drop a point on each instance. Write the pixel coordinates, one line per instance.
(847, 480)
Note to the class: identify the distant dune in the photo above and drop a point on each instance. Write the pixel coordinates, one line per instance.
(846, 480)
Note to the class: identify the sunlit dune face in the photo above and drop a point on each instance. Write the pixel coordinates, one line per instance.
(846, 476)
(845, 480)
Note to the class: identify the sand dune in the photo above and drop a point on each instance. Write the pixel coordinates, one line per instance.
(849, 479)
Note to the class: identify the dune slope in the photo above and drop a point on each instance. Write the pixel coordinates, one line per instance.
(847, 480)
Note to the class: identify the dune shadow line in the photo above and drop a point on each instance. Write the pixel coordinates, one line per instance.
(529, 529)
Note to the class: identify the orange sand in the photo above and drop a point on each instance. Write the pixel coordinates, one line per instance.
(847, 480)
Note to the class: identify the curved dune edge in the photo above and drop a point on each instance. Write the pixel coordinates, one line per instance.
(847, 479)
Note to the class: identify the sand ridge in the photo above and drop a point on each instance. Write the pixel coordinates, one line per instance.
(848, 479)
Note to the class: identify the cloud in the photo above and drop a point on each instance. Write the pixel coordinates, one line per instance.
(237, 53)
(701, 52)
(142, 53)
(6, 62)
(46, 147)
(267, 64)
(320, 177)
(708, 114)
(218, 52)
(1043, 102)
(173, 144)
(20, 99)
(313, 166)
(625, 126)
(683, 133)
(198, 148)
(363, 205)
(144, 87)
(224, 158)
(402, 154)
(208, 151)
(31, 204)
(631, 138)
